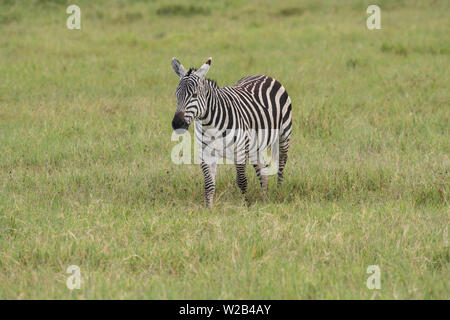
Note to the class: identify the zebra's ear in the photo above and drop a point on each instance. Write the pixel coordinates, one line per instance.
(178, 67)
(204, 68)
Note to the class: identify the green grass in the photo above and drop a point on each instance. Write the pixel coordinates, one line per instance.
(86, 176)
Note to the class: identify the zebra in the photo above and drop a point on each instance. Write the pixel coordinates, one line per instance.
(256, 103)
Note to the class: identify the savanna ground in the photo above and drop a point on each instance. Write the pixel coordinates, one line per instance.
(86, 176)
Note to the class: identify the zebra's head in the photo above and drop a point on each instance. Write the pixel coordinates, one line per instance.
(191, 95)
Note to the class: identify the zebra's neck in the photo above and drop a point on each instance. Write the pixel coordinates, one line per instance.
(217, 100)
(211, 91)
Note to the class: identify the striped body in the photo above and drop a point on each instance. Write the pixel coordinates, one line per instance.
(257, 104)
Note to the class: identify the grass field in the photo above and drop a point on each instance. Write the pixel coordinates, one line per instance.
(86, 176)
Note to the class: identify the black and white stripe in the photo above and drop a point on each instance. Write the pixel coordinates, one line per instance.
(250, 116)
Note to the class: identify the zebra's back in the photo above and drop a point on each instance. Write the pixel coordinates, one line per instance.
(269, 99)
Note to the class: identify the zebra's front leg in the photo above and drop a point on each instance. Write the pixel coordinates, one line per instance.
(241, 179)
(262, 173)
(209, 172)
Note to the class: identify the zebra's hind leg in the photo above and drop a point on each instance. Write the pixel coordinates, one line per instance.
(284, 146)
(241, 179)
(209, 172)
(261, 172)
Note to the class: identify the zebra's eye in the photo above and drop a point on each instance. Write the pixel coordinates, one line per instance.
(194, 95)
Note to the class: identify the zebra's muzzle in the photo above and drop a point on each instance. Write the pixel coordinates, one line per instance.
(178, 121)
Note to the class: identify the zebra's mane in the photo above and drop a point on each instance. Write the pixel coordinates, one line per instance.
(212, 82)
